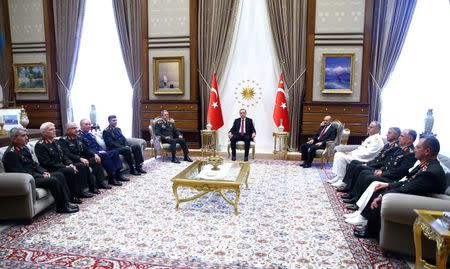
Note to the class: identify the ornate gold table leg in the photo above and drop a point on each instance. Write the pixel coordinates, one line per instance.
(442, 250)
(418, 243)
(175, 193)
(236, 200)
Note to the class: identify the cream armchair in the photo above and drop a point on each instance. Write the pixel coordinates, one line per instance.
(240, 145)
(342, 136)
(155, 141)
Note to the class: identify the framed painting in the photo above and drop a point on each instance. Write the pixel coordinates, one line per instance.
(168, 75)
(337, 73)
(10, 118)
(29, 77)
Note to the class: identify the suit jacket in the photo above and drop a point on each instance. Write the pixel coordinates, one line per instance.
(396, 165)
(424, 179)
(114, 138)
(19, 160)
(249, 127)
(329, 135)
(50, 155)
(74, 148)
(386, 151)
(90, 142)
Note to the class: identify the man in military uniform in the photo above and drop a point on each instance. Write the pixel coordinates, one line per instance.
(110, 159)
(114, 139)
(426, 178)
(52, 158)
(169, 134)
(394, 168)
(18, 159)
(355, 167)
(73, 147)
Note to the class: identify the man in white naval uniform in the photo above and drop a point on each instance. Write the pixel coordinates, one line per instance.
(364, 153)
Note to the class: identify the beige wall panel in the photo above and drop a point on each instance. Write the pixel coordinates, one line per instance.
(337, 97)
(27, 21)
(31, 58)
(340, 16)
(172, 53)
(168, 18)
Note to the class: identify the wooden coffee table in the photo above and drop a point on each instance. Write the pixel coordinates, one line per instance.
(201, 177)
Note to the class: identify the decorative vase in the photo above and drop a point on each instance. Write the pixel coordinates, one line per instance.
(208, 126)
(93, 115)
(281, 127)
(429, 121)
(24, 121)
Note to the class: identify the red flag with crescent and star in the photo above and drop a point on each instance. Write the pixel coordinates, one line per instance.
(215, 109)
(281, 111)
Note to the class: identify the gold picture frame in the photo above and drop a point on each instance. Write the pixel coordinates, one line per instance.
(338, 72)
(168, 75)
(30, 77)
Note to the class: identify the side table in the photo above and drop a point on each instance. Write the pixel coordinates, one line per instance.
(280, 144)
(208, 139)
(431, 224)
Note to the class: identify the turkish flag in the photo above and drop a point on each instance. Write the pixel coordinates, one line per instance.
(215, 109)
(281, 111)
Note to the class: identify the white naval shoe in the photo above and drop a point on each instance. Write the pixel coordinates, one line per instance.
(352, 215)
(334, 179)
(358, 220)
(338, 184)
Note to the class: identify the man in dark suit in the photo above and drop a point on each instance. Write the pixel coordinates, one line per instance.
(110, 159)
(114, 139)
(18, 159)
(52, 158)
(73, 147)
(166, 129)
(326, 132)
(426, 178)
(242, 130)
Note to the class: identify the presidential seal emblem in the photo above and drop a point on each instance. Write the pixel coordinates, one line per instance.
(248, 93)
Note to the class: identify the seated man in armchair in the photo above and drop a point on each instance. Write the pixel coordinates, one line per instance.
(242, 130)
(169, 134)
(326, 132)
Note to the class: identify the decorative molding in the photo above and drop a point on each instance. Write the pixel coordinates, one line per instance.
(28, 47)
(340, 16)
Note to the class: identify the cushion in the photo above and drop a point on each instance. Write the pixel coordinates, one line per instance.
(99, 138)
(41, 193)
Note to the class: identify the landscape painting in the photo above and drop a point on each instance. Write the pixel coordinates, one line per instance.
(29, 77)
(337, 70)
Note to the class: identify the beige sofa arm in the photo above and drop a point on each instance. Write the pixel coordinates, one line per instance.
(17, 184)
(137, 141)
(399, 208)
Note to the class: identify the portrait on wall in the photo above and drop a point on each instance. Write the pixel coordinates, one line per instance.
(337, 73)
(168, 75)
(29, 77)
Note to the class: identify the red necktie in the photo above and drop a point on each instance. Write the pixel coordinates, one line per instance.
(242, 127)
(322, 133)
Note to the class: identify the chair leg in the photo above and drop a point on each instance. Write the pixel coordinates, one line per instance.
(228, 150)
(253, 153)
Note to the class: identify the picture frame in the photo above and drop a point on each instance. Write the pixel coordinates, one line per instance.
(338, 72)
(168, 75)
(10, 118)
(30, 77)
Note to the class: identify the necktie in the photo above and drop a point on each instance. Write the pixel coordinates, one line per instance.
(322, 133)
(242, 127)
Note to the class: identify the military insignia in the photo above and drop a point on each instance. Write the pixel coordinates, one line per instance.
(248, 93)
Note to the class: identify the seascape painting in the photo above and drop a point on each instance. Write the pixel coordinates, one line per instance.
(337, 73)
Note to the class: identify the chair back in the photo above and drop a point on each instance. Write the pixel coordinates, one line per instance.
(339, 128)
(344, 136)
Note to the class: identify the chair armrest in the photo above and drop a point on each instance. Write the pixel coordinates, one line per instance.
(399, 207)
(16, 184)
(329, 149)
(157, 144)
(137, 141)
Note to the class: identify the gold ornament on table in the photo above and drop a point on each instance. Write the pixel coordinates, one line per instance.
(2, 123)
(281, 127)
(215, 160)
(24, 121)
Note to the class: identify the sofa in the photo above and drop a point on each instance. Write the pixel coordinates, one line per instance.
(19, 197)
(398, 216)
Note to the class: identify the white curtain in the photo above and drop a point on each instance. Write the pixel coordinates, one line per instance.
(420, 79)
(250, 80)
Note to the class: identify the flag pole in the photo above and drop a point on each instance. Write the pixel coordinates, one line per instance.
(204, 78)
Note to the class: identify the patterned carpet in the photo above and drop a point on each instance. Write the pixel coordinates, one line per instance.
(289, 218)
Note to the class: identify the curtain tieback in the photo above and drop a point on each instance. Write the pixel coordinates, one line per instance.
(139, 78)
(60, 80)
(374, 80)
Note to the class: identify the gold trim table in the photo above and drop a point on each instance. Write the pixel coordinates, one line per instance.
(209, 140)
(280, 144)
(430, 223)
(231, 176)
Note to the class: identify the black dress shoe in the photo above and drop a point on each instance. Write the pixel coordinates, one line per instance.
(362, 233)
(134, 172)
(350, 201)
(306, 165)
(114, 182)
(353, 207)
(72, 206)
(245, 159)
(187, 159)
(122, 178)
(342, 189)
(76, 200)
(175, 160)
(140, 170)
(103, 185)
(95, 191)
(347, 196)
(67, 209)
(233, 158)
(86, 194)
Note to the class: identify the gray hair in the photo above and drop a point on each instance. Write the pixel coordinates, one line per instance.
(70, 123)
(162, 112)
(83, 120)
(45, 126)
(15, 131)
